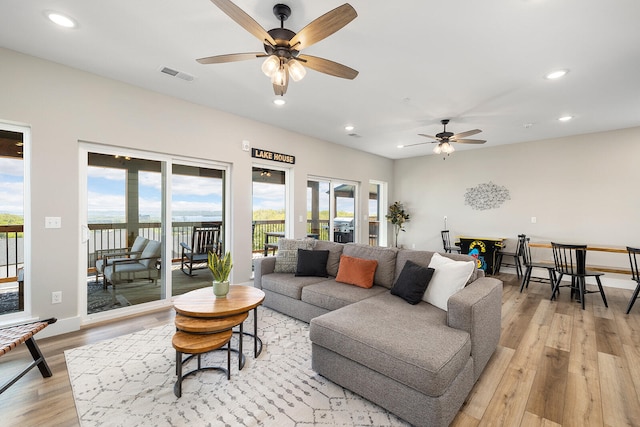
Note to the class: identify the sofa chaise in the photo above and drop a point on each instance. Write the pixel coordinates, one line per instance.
(417, 360)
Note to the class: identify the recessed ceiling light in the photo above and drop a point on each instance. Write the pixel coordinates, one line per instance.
(556, 74)
(400, 146)
(60, 19)
(279, 101)
(349, 128)
(565, 118)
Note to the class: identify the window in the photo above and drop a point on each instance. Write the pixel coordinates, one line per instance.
(14, 289)
(331, 209)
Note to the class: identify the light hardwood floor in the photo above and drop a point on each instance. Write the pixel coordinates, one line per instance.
(556, 365)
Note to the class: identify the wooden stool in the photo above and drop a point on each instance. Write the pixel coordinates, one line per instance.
(196, 344)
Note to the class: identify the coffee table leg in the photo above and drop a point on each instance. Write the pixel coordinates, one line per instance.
(256, 351)
(240, 354)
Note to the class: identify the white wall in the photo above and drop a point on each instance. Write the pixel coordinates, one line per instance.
(581, 189)
(63, 106)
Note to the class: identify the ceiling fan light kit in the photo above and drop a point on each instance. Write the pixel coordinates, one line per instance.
(282, 46)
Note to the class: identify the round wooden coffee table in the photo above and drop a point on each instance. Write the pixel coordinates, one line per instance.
(201, 312)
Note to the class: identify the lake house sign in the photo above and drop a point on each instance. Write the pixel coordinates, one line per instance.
(270, 155)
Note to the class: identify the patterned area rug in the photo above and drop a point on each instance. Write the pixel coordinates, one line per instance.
(129, 381)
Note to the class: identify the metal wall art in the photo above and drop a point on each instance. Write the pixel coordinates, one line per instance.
(486, 196)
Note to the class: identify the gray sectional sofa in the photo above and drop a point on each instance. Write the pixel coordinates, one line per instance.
(418, 361)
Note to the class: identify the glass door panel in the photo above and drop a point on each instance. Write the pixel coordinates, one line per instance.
(124, 212)
(331, 209)
(344, 220)
(12, 215)
(197, 213)
(375, 213)
(318, 208)
(269, 210)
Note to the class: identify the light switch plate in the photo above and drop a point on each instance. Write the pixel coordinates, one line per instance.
(246, 146)
(52, 222)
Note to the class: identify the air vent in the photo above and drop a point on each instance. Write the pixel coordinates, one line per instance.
(355, 135)
(175, 73)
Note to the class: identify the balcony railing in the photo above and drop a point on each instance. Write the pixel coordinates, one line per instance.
(11, 251)
(114, 236)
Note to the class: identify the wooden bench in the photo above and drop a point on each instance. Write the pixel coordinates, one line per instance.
(12, 336)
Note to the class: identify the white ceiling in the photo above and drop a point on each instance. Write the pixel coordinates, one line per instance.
(479, 63)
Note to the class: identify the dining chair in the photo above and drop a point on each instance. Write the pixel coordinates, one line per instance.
(516, 255)
(634, 254)
(530, 265)
(446, 243)
(570, 260)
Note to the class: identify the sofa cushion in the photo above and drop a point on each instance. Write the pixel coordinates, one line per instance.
(312, 263)
(386, 257)
(448, 278)
(423, 258)
(412, 282)
(411, 344)
(333, 295)
(335, 250)
(356, 271)
(287, 256)
(287, 284)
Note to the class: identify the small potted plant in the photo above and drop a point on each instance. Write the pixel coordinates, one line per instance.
(221, 269)
(397, 216)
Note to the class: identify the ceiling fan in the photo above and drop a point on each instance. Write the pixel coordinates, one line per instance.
(444, 139)
(282, 46)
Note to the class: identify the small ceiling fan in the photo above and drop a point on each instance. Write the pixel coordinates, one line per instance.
(282, 46)
(444, 139)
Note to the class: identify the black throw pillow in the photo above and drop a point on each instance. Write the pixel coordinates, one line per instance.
(312, 263)
(412, 282)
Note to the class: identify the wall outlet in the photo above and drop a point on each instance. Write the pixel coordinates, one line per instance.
(56, 297)
(246, 145)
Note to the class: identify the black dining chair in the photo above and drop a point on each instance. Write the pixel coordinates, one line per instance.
(634, 254)
(570, 260)
(516, 255)
(446, 243)
(530, 265)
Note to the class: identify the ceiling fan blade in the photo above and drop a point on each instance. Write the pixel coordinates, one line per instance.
(417, 143)
(429, 136)
(232, 57)
(323, 26)
(468, 141)
(328, 67)
(465, 134)
(244, 20)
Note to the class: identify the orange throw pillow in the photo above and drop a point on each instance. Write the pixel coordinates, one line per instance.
(356, 271)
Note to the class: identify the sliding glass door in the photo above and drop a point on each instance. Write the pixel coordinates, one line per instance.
(143, 214)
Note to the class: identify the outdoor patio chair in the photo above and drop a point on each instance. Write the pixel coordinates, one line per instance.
(204, 239)
(108, 256)
(130, 269)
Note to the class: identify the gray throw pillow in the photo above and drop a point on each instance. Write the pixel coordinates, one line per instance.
(287, 256)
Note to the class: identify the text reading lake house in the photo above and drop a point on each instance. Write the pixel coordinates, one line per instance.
(270, 155)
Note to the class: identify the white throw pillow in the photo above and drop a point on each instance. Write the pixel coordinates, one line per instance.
(449, 277)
